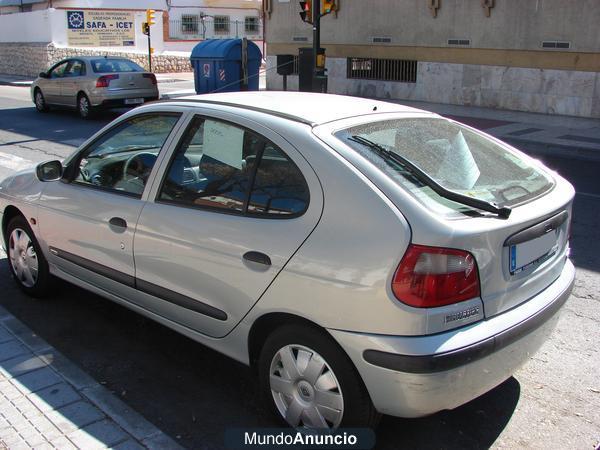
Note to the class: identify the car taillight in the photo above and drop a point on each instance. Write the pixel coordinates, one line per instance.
(104, 80)
(433, 276)
(151, 76)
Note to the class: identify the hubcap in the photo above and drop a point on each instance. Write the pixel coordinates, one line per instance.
(39, 100)
(23, 258)
(305, 389)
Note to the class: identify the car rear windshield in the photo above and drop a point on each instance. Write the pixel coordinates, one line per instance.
(451, 155)
(106, 65)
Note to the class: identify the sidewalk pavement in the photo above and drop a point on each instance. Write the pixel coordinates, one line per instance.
(546, 133)
(46, 402)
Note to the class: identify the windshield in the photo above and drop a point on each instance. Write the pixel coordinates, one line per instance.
(106, 65)
(452, 155)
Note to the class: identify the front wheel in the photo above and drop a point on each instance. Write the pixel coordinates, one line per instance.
(309, 382)
(40, 101)
(27, 263)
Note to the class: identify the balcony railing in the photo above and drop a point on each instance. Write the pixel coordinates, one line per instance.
(195, 28)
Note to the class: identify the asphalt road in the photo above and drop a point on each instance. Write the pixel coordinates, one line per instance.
(194, 394)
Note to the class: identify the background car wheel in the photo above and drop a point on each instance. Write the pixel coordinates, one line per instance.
(26, 261)
(40, 101)
(308, 381)
(84, 107)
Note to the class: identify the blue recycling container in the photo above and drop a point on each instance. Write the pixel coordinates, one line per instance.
(217, 66)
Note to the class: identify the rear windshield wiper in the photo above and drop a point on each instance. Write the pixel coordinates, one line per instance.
(420, 175)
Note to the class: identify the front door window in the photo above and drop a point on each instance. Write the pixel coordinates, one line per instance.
(123, 158)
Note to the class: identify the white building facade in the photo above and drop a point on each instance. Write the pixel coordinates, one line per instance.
(34, 33)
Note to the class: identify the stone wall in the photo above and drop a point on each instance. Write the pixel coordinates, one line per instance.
(23, 59)
(160, 63)
(29, 59)
(563, 92)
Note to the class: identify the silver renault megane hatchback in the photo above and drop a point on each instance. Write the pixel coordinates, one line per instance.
(365, 257)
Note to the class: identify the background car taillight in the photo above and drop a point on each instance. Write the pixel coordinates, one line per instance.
(151, 76)
(104, 80)
(433, 276)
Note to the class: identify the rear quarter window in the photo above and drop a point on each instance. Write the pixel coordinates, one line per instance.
(106, 65)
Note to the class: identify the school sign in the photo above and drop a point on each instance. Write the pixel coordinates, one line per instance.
(100, 28)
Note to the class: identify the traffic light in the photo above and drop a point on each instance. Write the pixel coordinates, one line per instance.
(328, 6)
(306, 13)
(150, 17)
(145, 28)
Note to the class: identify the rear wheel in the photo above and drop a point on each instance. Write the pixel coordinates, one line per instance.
(84, 107)
(40, 101)
(309, 382)
(27, 263)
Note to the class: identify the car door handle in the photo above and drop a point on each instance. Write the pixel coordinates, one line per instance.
(257, 257)
(117, 224)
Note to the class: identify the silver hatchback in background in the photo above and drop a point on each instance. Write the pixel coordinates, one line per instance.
(90, 82)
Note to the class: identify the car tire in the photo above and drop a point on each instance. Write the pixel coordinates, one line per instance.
(40, 101)
(84, 107)
(338, 397)
(26, 262)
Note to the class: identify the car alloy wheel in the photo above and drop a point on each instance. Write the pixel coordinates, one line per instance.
(23, 258)
(84, 107)
(305, 389)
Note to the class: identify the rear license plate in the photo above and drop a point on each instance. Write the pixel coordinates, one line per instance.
(134, 101)
(532, 252)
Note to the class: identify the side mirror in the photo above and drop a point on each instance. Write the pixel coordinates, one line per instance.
(49, 171)
(44, 75)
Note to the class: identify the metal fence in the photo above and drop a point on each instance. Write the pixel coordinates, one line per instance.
(382, 69)
(194, 27)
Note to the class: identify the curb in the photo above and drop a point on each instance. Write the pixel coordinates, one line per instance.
(122, 415)
(25, 84)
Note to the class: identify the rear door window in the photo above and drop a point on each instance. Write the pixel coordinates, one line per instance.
(454, 156)
(224, 167)
(76, 68)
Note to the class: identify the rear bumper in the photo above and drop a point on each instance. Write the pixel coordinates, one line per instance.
(417, 376)
(120, 103)
(107, 98)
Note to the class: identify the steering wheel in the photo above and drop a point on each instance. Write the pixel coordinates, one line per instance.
(139, 166)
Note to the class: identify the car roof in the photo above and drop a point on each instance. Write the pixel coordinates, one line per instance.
(309, 108)
(90, 58)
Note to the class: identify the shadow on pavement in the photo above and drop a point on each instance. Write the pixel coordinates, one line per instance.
(474, 425)
(61, 126)
(586, 207)
(193, 393)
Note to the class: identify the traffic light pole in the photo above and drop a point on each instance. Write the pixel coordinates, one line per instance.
(149, 52)
(316, 10)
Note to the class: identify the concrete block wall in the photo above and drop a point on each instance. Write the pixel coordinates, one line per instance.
(563, 92)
